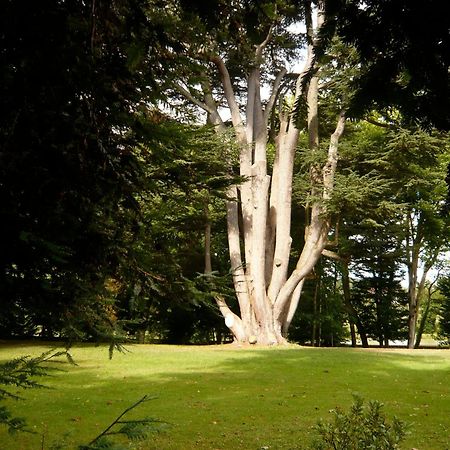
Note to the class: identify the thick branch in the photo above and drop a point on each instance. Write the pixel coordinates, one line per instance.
(274, 94)
(380, 124)
(189, 96)
(333, 255)
(262, 46)
(239, 278)
(330, 166)
(232, 321)
(250, 109)
(231, 98)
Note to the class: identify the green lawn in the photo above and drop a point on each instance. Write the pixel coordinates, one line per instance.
(231, 398)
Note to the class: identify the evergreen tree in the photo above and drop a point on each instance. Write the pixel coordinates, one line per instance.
(444, 311)
(378, 296)
(73, 74)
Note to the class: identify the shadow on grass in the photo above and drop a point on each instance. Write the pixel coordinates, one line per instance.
(225, 398)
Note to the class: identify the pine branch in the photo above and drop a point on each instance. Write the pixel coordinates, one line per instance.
(20, 372)
(129, 425)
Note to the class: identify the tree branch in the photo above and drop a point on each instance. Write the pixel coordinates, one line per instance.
(231, 98)
(261, 47)
(105, 432)
(380, 124)
(189, 96)
(333, 255)
(274, 94)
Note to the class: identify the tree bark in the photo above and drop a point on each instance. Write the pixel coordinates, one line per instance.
(351, 311)
(259, 209)
(414, 246)
(425, 312)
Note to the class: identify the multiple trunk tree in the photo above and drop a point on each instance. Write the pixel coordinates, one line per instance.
(259, 209)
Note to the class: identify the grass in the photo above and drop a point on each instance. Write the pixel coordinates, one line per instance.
(231, 398)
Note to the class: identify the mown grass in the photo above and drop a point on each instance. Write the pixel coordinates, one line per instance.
(231, 398)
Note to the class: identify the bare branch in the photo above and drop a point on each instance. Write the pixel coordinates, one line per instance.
(380, 124)
(262, 46)
(274, 94)
(250, 109)
(330, 166)
(189, 96)
(332, 255)
(231, 98)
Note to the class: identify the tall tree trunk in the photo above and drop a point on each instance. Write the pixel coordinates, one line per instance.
(423, 321)
(414, 244)
(208, 263)
(413, 265)
(351, 311)
(425, 313)
(259, 209)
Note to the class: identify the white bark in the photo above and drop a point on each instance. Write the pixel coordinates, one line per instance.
(316, 236)
(267, 297)
(237, 269)
(416, 287)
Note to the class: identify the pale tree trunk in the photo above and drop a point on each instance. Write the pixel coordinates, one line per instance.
(259, 209)
(425, 312)
(416, 287)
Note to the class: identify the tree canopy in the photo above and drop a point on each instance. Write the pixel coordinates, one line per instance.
(404, 49)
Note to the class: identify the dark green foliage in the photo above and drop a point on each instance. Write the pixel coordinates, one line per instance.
(444, 311)
(66, 167)
(363, 427)
(377, 296)
(98, 195)
(320, 318)
(404, 49)
(160, 290)
(236, 27)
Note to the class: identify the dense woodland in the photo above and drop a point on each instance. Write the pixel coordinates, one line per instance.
(200, 172)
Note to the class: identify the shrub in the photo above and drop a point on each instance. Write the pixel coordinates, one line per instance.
(364, 427)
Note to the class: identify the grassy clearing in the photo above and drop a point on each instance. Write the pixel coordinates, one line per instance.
(230, 398)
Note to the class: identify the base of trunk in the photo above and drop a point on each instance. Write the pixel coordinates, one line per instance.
(264, 339)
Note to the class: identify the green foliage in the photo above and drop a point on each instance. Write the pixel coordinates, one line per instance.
(403, 49)
(363, 427)
(67, 167)
(21, 373)
(133, 430)
(377, 295)
(100, 195)
(233, 29)
(320, 317)
(444, 311)
(187, 171)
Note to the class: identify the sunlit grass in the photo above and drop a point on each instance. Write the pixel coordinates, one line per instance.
(230, 398)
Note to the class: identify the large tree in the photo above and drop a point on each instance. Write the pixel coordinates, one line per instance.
(238, 48)
(416, 162)
(72, 74)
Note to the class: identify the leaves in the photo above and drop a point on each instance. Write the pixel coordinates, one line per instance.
(131, 429)
(363, 427)
(21, 373)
